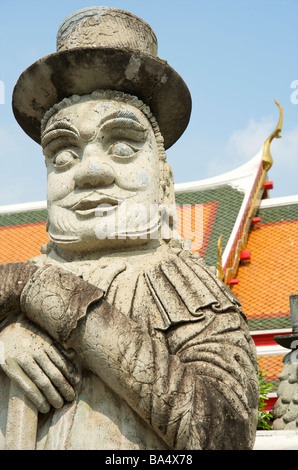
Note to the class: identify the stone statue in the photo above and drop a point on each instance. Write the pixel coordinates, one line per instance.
(285, 410)
(116, 336)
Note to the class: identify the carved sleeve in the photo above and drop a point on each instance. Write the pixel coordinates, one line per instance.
(195, 383)
(14, 277)
(204, 396)
(56, 300)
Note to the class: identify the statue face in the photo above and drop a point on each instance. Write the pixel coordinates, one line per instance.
(103, 176)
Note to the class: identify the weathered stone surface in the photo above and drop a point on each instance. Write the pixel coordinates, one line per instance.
(285, 410)
(105, 26)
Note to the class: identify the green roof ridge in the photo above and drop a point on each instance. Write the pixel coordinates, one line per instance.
(255, 324)
(278, 214)
(22, 218)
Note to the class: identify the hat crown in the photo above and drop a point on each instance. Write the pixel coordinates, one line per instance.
(96, 27)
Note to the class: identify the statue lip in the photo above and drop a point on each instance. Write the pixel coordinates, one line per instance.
(96, 204)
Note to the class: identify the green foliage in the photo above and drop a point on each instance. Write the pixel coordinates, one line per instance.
(264, 417)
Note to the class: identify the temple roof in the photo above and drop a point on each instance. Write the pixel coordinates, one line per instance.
(272, 272)
(22, 231)
(229, 201)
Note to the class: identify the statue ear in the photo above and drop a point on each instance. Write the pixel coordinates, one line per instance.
(167, 209)
(167, 196)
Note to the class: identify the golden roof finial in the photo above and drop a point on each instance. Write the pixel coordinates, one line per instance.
(267, 158)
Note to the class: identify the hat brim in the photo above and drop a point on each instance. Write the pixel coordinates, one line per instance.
(83, 70)
(287, 341)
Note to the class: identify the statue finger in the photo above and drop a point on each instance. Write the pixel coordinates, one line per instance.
(64, 365)
(42, 381)
(13, 370)
(56, 377)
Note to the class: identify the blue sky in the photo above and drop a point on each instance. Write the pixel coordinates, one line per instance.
(236, 56)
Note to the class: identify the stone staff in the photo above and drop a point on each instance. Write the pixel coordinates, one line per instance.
(22, 415)
(22, 418)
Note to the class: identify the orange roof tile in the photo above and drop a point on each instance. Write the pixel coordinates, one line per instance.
(21, 242)
(271, 366)
(195, 223)
(267, 280)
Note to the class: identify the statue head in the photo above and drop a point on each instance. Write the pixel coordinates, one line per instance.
(104, 108)
(108, 180)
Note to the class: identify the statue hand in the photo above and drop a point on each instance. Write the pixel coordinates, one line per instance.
(41, 371)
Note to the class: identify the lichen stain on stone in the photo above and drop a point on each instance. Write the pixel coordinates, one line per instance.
(133, 67)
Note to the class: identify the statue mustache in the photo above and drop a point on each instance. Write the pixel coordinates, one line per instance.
(113, 197)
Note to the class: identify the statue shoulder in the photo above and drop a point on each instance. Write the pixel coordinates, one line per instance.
(184, 287)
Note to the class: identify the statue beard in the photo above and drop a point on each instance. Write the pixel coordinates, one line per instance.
(62, 226)
(130, 222)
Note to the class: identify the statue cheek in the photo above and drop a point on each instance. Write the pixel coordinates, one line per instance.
(59, 185)
(143, 179)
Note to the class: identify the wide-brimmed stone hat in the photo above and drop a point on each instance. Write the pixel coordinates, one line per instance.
(103, 48)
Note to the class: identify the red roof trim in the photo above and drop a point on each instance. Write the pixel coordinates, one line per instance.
(270, 403)
(266, 339)
(245, 213)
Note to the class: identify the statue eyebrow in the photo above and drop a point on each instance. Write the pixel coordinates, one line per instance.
(61, 128)
(122, 119)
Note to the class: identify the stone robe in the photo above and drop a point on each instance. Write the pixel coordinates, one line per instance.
(198, 387)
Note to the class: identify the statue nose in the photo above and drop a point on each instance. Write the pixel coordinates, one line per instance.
(94, 174)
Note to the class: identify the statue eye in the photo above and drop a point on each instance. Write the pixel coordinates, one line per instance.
(65, 159)
(122, 150)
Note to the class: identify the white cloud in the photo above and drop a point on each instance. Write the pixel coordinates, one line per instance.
(287, 149)
(284, 171)
(241, 146)
(245, 143)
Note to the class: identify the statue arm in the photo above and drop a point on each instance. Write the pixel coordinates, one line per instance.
(30, 357)
(13, 278)
(193, 400)
(197, 387)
